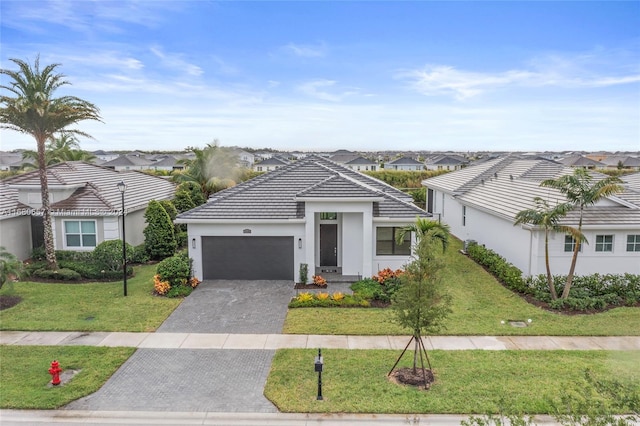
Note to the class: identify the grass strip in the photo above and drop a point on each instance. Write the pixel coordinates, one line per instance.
(467, 382)
(24, 375)
(88, 307)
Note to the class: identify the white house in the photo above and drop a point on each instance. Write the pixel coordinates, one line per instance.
(269, 164)
(86, 206)
(404, 163)
(15, 223)
(480, 203)
(312, 211)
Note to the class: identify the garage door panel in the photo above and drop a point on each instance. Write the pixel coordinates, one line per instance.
(248, 258)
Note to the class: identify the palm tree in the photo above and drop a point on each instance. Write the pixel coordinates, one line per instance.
(547, 218)
(30, 108)
(213, 169)
(58, 150)
(422, 226)
(582, 190)
(10, 266)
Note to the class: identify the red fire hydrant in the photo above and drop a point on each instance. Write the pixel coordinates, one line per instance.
(55, 371)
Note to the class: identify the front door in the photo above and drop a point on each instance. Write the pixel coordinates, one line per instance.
(328, 245)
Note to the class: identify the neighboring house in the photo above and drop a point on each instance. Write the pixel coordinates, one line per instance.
(269, 164)
(580, 161)
(361, 164)
(167, 163)
(404, 163)
(245, 159)
(445, 162)
(626, 162)
(129, 162)
(10, 161)
(86, 204)
(15, 223)
(481, 202)
(105, 156)
(312, 211)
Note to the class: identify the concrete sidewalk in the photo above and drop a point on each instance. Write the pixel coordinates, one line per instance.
(69, 417)
(278, 341)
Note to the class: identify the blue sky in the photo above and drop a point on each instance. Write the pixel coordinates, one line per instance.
(455, 75)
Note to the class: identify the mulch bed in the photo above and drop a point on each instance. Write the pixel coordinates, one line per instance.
(7, 302)
(406, 376)
(299, 286)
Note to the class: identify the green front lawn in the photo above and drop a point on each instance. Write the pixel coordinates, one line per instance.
(24, 374)
(355, 381)
(480, 303)
(88, 307)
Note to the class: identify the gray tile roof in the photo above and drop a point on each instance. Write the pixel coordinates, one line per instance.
(361, 161)
(277, 194)
(9, 204)
(96, 187)
(507, 186)
(273, 161)
(406, 160)
(127, 160)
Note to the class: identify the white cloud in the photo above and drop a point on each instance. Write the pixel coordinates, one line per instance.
(306, 51)
(318, 89)
(589, 70)
(175, 62)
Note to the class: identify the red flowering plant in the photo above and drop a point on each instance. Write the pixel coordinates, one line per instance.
(319, 281)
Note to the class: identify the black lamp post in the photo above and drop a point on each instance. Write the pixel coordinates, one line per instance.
(122, 187)
(318, 368)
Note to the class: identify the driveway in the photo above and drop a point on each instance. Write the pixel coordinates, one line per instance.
(201, 379)
(230, 306)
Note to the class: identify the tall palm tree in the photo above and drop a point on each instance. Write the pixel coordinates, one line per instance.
(58, 150)
(422, 226)
(31, 108)
(582, 190)
(547, 218)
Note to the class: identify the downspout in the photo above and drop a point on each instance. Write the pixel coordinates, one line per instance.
(530, 250)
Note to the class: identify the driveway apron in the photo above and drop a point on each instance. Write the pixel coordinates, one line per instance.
(219, 380)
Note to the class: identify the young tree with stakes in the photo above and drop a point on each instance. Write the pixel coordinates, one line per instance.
(31, 108)
(421, 304)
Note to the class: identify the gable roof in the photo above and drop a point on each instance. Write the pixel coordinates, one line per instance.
(272, 161)
(280, 194)
(361, 161)
(95, 188)
(506, 186)
(9, 204)
(406, 160)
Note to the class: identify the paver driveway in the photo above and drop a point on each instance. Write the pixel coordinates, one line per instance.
(227, 306)
(203, 379)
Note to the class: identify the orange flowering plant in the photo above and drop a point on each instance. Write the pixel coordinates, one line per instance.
(387, 274)
(319, 281)
(160, 287)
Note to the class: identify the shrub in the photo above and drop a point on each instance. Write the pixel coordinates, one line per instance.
(62, 274)
(367, 288)
(159, 236)
(140, 254)
(505, 272)
(108, 255)
(76, 256)
(94, 272)
(195, 192)
(175, 269)
(38, 253)
(181, 239)
(304, 273)
(183, 201)
(319, 281)
(179, 291)
(322, 300)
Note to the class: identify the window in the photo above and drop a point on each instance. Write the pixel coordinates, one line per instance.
(464, 215)
(328, 216)
(604, 243)
(386, 242)
(633, 242)
(570, 244)
(80, 233)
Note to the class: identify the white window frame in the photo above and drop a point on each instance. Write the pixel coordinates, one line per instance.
(602, 245)
(81, 246)
(633, 240)
(573, 244)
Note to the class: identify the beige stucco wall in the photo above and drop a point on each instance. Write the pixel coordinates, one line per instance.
(15, 236)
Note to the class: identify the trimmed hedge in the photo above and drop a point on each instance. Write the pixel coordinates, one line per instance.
(505, 272)
(62, 274)
(588, 292)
